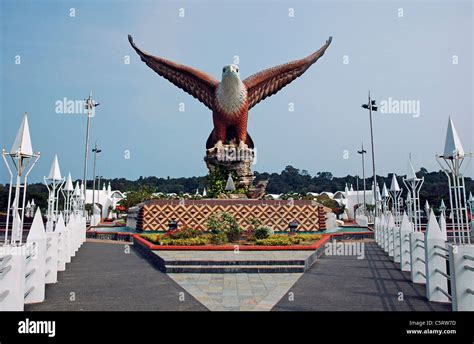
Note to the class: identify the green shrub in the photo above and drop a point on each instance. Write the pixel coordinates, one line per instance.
(202, 240)
(154, 238)
(224, 223)
(218, 238)
(275, 240)
(287, 240)
(184, 233)
(262, 232)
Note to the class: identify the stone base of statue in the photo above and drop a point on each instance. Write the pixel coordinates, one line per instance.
(233, 159)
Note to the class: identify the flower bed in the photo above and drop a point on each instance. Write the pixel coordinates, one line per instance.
(224, 231)
(206, 239)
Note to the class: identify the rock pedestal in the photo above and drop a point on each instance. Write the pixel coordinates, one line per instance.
(233, 159)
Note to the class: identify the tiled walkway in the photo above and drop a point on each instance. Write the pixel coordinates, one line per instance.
(234, 292)
(105, 277)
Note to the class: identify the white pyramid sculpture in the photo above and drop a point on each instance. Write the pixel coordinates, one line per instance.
(411, 174)
(433, 230)
(37, 230)
(55, 172)
(16, 228)
(204, 192)
(452, 145)
(77, 190)
(427, 205)
(442, 225)
(442, 205)
(62, 245)
(109, 189)
(229, 186)
(406, 225)
(22, 143)
(394, 186)
(384, 191)
(82, 192)
(36, 267)
(197, 191)
(69, 187)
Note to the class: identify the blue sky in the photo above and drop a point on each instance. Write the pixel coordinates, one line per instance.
(403, 58)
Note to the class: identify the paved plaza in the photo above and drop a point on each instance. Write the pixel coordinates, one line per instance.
(103, 276)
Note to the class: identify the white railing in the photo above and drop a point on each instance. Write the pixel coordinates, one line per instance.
(425, 256)
(26, 269)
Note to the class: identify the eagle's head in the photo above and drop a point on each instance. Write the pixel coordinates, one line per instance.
(231, 71)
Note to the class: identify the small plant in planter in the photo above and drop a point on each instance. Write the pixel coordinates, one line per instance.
(262, 232)
(224, 223)
(259, 231)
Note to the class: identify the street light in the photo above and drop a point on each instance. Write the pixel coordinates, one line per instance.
(90, 105)
(371, 107)
(96, 151)
(362, 152)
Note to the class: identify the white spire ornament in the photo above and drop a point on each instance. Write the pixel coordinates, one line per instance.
(23, 160)
(54, 182)
(451, 162)
(230, 186)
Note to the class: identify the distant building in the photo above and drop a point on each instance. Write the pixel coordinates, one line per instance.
(106, 198)
(353, 199)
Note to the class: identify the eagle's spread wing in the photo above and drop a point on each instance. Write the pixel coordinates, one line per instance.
(198, 84)
(269, 81)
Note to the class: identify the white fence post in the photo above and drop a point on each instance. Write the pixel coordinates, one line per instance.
(376, 229)
(385, 234)
(83, 231)
(72, 225)
(52, 257)
(62, 248)
(396, 244)
(417, 257)
(406, 228)
(461, 269)
(12, 277)
(391, 229)
(35, 262)
(435, 257)
(68, 237)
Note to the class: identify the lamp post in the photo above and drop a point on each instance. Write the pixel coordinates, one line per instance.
(453, 158)
(442, 208)
(362, 152)
(396, 193)
(413, 185)
(54, 182)
(371, 107)
(23, 158)
(90, 104)
(470, 203)
(67, 192)
(409, 204)
(385, 198)
(96, 151)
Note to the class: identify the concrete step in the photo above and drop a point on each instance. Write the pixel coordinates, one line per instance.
(225, 268)
(196, 262)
